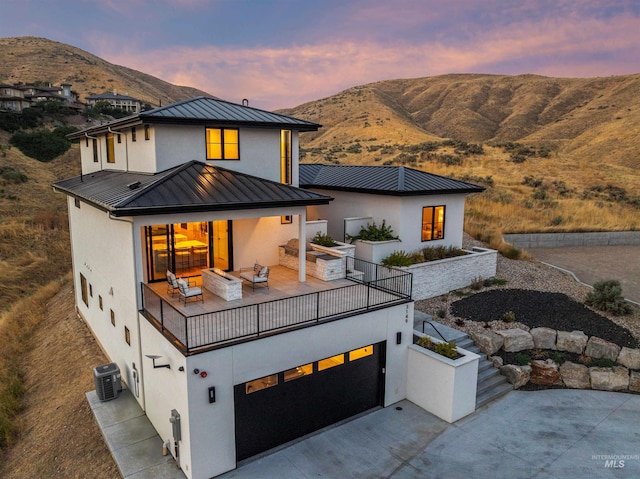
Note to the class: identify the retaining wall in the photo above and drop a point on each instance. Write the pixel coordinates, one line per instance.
(557, 240)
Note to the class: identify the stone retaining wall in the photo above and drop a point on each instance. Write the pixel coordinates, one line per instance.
(623, 377)
(556, 240)
(435, 278)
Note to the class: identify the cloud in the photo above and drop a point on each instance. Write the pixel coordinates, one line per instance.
(283, 77)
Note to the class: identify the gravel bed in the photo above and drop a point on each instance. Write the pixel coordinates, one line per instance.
(530, 276)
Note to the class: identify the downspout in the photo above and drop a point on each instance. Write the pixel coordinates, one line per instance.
(139, 359)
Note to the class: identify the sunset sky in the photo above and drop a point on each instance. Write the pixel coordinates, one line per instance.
(281, 53)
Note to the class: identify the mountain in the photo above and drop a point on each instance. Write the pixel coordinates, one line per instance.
(33, 59)
(594, 118)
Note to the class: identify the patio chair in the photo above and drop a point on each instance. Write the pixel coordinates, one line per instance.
(257, 274)
(172, 283)
(189, 292)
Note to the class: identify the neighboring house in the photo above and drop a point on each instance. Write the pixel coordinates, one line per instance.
(423, 209)
(204, 184)
(122, 102)
(12, 98)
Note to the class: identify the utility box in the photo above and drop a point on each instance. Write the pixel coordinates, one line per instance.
(107, 381)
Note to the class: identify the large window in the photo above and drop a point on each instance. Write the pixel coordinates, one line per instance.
(111, 154)
(432, 223)
(222, 144)
(285, 157)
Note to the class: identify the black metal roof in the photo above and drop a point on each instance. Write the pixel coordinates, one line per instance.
(381, 180)
(205, 111)
(191, 187)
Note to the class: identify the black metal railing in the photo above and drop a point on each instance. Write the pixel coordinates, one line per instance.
(375, 288)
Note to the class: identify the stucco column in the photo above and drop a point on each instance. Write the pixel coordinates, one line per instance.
(302, 246)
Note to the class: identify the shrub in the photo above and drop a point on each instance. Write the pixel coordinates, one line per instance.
(398, 258)
(11, 175)
(373, 232)
(559, 357)
(434, 253)
(425, 342)
(607, 296)
(323, 240)
(477, 284)
(523, 359)
(448, 350)
(43, 145)
(441, 313)
(603, 363)
(509, 317)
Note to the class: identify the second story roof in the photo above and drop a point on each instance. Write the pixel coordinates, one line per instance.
(381, 180)
(191, 187)
(205, 111)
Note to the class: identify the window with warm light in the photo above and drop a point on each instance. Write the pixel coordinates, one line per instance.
(432, 223)
(147, 132)
(84, 289)
(262, 383)
(361, 353)
(331, 362)
(127, 336)
(222, 144)
(300, 371)
(286, 157)
(111, 154)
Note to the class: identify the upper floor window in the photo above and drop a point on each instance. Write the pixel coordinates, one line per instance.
(147, 132)
(222, 144)
(432, 223)
(285, 157)
(133, 133)
(111, 154)
(95, 150)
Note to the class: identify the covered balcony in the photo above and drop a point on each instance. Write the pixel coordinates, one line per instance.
(286, 304)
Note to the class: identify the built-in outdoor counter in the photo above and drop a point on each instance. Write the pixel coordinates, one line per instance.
(222, 284)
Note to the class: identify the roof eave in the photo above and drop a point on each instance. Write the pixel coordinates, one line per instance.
(372, 191)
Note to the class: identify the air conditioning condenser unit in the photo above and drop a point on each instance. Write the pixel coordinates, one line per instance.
(107, 381)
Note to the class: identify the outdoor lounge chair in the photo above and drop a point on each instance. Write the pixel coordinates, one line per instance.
(189, 292)
(257, 274)
(172, 283)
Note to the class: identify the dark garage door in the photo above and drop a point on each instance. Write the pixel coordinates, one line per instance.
(276, 409)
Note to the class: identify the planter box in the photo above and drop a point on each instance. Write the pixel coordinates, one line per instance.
(375, 251)
(442, 386)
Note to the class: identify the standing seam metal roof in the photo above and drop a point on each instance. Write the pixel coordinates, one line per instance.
(385, 180)
(193, 186)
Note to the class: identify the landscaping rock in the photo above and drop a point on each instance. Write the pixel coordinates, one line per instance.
(609, 379)
(517, 376)
(599, 348)
(573, 342)
(575, 375)
(516, 340)
(497, 361)
(634, 381)
(545, 373)
(544, 338)
(488, 342)
(629, 358)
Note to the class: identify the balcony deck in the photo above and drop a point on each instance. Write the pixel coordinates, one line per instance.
(286, 304)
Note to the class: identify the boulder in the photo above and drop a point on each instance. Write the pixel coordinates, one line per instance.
(573, 342)
(488, 342)
(497, 361)
(544, 338)
(599, 348)
(575, 376)
(629, 358)
(609, 379)
(634, 381)
(546, 373)
(516, 340)
(517, 376)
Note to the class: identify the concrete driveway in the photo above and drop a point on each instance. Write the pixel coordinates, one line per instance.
(558, 433)
(595, 263)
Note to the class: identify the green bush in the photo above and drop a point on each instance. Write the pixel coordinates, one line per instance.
(603, 363)
(448, 350)
(323, 240)
(559, 357)
(43, 145)
(523, 359)
(607, 296)
(373, 232)
(425, 342)
(398, 258)
(509, 317)
(434, 253)
(11, 175)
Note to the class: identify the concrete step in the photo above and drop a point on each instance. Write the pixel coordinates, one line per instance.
(486, 374)
(490, 382)
(493, 393)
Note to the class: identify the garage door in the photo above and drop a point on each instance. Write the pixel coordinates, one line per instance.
(275, 409)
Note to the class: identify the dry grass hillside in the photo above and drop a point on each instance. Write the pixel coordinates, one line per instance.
(556, 154)
(33, 59)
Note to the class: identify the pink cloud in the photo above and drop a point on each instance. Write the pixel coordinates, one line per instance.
(283, 77)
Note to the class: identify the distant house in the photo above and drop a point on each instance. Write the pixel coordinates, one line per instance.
(17, 97)
(12, 98)
(122, 102)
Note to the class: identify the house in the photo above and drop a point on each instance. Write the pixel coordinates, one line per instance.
(122, 102)
(17, 97)
(423, 209)
(12, 98)
(204, 188)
